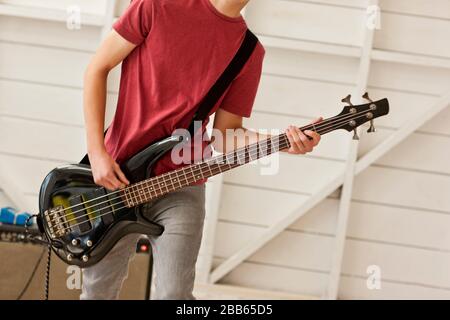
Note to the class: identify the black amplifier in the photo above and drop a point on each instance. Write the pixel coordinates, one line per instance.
(13, 233)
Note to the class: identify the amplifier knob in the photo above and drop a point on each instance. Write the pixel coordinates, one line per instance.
(69, 257)
(85, 258)
(75, 242)
(89, 243)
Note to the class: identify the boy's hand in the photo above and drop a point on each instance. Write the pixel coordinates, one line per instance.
(106, 171)
(302, 142)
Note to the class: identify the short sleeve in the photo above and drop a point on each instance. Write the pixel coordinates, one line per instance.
(135, 23)
(241, 95)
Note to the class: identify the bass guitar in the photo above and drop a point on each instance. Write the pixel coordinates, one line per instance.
(83, 221)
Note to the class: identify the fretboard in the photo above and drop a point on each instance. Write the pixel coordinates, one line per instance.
(152, 188)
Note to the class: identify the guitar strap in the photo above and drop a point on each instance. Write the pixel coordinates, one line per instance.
(220, 86)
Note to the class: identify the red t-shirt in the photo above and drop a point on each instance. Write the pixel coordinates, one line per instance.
(182, 49)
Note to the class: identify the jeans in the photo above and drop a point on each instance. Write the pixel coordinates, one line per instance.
(174, 252)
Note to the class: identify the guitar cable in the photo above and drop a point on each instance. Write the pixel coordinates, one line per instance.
(30, 278)
(47, 271)
(49, 255)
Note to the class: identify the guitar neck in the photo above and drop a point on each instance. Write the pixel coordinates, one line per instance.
(146, 190)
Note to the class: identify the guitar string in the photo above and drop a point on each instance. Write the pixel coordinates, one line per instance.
(117, 209)
(160, 189)
(281, 146)
(283, 136)
(157, 195)
(321, 125)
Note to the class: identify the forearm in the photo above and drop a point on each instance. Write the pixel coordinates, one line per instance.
(94, 108)
(230, 134)
(299, 142)
(105, 170)
(236, 138)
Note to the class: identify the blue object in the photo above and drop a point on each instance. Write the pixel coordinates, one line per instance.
(9, 215)
(21, 219)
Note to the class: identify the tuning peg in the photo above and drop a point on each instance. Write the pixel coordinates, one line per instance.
(366, 96)
(355, 135)
(347, 100)
(372, 127)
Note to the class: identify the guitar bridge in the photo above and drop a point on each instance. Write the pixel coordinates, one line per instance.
(56, 221)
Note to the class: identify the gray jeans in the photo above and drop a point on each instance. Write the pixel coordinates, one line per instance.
(174, 252)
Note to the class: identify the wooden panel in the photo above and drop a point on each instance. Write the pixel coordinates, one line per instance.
(333, 146)
(404, 188)
(4, 200)
(41, 102)
(265, 207)
(409, 78)
(275, 278)
(303, 97)
(203, 291)
(311, 252)
(46, 102)
(398, 263)
(413, 34)
(291, 249)
(28, 173)
(347, 3)
(47, 66)
(256, 206)
(31, 201)
(313, 283)
(356, 288)
(48, 33)
(413, 153)
(306, 21)
(43, 140)
(295, 174)
(439, 9)
(399, 226)
(86, 6)
(367, 221)
(310, 65)
(439, 123)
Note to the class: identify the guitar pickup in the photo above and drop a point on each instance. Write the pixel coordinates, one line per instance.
(80, 213)
(99, 205)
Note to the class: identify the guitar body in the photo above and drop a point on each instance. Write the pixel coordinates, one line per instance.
(91, 239)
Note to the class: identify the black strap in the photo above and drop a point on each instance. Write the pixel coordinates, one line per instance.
(221, 85)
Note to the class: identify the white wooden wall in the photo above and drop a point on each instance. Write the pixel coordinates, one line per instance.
(400, 208)
(41, 70)
(399, 217)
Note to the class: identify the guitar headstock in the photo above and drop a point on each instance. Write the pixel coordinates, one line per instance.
(353, 116)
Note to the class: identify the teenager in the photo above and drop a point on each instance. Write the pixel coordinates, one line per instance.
(172, 52)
